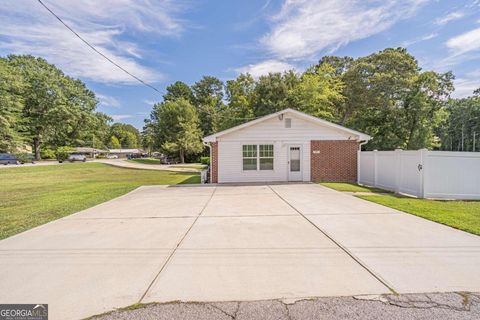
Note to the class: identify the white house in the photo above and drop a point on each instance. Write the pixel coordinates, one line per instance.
(285, 146)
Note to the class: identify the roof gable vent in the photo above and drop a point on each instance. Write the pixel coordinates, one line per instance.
(288, 122)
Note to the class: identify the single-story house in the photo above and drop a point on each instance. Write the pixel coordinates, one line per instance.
(90, 152)
(285, 146)
(124, 153)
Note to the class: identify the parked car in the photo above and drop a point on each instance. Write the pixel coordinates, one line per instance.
(77, 157)
(112, 156)
(8, 158)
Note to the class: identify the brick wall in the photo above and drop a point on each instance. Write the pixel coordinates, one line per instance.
(333, 160)
(214, 163)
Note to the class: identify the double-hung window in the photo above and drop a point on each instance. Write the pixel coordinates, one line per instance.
(257, 157)
(266, 156)
(249, 157)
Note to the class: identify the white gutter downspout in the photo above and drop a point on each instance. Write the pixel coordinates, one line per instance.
(361, 144)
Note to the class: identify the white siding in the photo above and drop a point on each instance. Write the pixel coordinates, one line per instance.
(271, 131)
(274, 128)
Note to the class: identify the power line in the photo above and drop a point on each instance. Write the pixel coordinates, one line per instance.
(95, 49)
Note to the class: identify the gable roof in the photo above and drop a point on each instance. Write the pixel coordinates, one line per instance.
(301, 115)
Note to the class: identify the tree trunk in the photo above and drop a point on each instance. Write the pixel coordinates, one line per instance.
(344, 118)
(410, 136)
(182, 156)
(36, 148)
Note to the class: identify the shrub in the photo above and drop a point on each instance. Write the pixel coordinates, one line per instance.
(101, 156)
(24, 157)
(63, 153)
(205, 160)
(47, 153)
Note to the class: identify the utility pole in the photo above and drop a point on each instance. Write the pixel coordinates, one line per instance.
(462, 137)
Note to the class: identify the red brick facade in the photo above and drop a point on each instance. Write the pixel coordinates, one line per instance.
(333, 160)
(214, 163)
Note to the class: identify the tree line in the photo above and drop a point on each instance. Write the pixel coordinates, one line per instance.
(385, 94)
(43, 108)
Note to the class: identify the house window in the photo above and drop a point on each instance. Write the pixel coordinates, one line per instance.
(257, 157)
(249, 153)
(266, 156)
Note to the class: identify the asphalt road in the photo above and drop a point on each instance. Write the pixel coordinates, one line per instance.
(403, 307)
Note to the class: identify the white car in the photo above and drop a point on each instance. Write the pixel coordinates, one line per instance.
(77, 157)
(112, 156)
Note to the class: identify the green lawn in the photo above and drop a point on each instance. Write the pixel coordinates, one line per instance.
(146, 161)
(351, 187)
(32, 196)
(463, 215)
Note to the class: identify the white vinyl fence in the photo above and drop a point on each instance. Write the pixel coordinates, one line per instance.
(422, 173)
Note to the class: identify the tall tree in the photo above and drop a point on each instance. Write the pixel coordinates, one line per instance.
(208, 100)
(114, 143)
(148, 137)
(318, 92)
(128, 135)
(388, 96)
(460, 130)
(240, 96)
(428, 94)
(11, 105)
(273, 92)
(178, 90)
(175, 126)
(56, 107)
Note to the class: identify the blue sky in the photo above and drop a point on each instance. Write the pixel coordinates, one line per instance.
(166, 40)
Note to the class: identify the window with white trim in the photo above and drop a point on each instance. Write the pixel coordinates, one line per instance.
(266, 156)
(257, 157)
(249, 153)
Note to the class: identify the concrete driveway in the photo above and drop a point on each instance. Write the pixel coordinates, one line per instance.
(123, 163)
(231, 243)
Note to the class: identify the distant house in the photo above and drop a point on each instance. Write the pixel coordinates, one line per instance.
(124, 153)
(90, 152)
(285, 146)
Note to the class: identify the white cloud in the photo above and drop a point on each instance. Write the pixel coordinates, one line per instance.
(465, 86)
(466, 42)
(108, 101)
(27, 28)
(417, 40)
(303, 28)
(265, 67)
(449, 17)
(120, 117)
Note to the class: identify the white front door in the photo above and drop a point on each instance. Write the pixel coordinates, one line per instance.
(295, 163)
